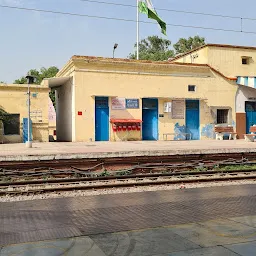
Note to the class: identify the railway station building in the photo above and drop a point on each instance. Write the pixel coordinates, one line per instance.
(105, 99)
(232, 61)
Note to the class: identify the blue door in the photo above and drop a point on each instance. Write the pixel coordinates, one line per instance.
(250, 109)
(192, 119)
(25, 130)
(150, 119)
(101, 119)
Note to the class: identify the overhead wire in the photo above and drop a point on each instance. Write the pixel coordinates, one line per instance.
(171, 10)
(121, 19)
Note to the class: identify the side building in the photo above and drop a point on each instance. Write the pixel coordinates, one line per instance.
(14, 113)
(232, 61)
(103, 99)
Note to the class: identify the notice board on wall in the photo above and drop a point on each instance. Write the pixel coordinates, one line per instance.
(118, 103)
(178, 109)
(132, 103)
(167, 107)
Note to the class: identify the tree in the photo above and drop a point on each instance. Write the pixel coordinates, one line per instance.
(153, 48)
(185, 45)
(40, 75)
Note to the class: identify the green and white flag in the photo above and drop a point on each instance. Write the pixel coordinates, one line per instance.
(146, 7)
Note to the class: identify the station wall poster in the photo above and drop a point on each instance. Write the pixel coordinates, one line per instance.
(178, 109)
(118, 103)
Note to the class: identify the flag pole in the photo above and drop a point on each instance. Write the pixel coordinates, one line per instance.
(138, 27)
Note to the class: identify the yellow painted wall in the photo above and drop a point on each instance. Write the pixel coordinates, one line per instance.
(13, 99)
(125, 114)
(217, 91)
(197, 57)
(225, 59)
(229, 61)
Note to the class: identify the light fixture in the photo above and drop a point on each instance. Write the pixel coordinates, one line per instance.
(115, 46)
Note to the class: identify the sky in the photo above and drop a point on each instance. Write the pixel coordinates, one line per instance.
(31, 40)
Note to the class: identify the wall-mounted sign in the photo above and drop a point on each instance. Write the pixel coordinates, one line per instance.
(178, 109)
(132, 103)
(167, 107)
(118, 103)
(36, 115)
(161, 115)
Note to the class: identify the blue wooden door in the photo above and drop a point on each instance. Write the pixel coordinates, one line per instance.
(25, 130)
(192, 119)
(150, 119)
(250, 109)
(101, 119)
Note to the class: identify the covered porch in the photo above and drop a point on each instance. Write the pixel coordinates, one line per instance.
(64, 98)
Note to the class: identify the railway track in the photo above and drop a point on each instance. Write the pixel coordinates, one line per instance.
(88, 164)
(94, 174)
(99, 183)
(12, 172)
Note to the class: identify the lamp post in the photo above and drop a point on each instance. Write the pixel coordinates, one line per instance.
(30, 80)
(115, 46)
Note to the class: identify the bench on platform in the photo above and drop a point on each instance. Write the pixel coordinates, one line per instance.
(165, 135)
(220, 131)
(250, 137)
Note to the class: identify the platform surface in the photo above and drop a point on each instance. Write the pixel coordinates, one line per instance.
(206, 221)
(57, 150)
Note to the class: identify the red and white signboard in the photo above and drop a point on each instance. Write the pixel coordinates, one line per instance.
(118, 103)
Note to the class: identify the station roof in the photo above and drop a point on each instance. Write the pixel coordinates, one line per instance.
(57, 81)
(79, 63)
(214, 45)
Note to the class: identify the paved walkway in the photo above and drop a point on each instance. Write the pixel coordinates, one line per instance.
(48, 151)
(206, 221)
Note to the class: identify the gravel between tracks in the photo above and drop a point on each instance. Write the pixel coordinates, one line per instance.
(9, 198)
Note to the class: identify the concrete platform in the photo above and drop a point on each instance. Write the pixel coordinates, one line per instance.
(206, 221)
(151, 242)
(55, 150)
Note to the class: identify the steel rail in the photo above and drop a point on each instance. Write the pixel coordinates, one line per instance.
(123, 177)
(134, 184)
(135, 160)
(204, 178)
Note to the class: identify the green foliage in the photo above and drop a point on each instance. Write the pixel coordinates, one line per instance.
(235, 167)
(40, 76)
(4, 117)
(158, 49)
(104, 173)
(122, 173)
(185, 45)
(153, 48)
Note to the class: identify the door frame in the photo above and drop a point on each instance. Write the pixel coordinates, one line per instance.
(95, 115)
(199, 120)
(246, 120)
(157, 109)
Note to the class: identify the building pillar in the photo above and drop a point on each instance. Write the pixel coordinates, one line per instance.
(241, 125)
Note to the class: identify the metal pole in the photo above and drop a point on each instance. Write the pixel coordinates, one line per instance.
(138, 27)
(29, 142)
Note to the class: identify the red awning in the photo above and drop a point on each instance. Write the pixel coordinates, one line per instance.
(125, 121)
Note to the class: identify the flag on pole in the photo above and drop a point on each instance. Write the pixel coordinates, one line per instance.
(146, 7)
